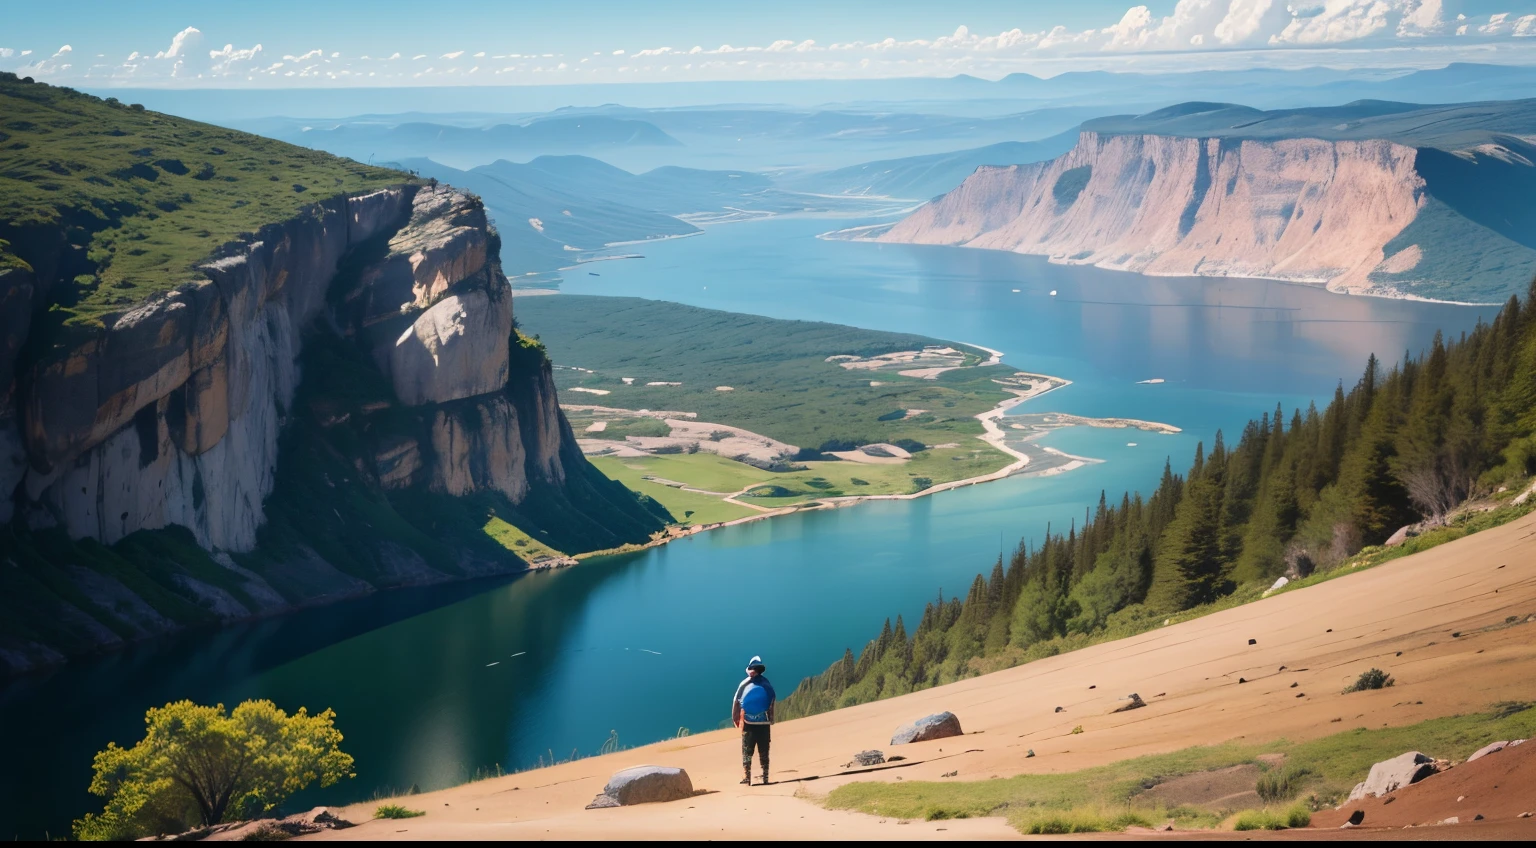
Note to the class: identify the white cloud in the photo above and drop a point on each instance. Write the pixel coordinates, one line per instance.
(181, 43)
(1502, 24)
(6, 52)
(223, 61)
(1162, 34)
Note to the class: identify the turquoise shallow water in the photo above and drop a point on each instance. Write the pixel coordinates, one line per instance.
(646, 644)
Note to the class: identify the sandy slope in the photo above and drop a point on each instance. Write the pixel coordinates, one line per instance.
(1326, 635)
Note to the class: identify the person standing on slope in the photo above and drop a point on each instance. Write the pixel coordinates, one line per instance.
(752, 711)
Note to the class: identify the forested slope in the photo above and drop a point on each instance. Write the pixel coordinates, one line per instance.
(1295, 494)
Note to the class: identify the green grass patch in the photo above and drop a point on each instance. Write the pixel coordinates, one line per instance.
(518, 541)
(143, 196)
(704, 471)
(1282, 784)
(1295, 816)
(782, 385)
(396, 811)
(1101, 795)
(620, 428)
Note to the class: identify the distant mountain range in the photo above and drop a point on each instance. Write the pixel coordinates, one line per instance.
(919, 177)
(958, 95)
(554, 210)
(381, 138)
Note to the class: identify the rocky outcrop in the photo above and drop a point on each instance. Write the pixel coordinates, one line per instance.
(1304, 210)
(171, 414)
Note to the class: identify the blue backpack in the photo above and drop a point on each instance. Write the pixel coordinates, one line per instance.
(755, 701)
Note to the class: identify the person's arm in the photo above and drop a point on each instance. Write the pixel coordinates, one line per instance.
(773, 699)
(736, 706)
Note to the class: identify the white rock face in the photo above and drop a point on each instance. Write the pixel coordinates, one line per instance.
(456, 349)
(172, 416)
(479, 446)
(1391, 775)
(1298, 209)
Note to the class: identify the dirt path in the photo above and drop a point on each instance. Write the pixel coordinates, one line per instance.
(1326, 635)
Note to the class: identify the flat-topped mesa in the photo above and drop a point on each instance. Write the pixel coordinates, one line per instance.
(171, 414)
(1305, 210)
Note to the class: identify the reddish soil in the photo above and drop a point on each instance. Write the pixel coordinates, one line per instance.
(1499, 787)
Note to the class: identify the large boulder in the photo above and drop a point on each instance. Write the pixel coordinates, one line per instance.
(936, 726)
(456, 349)
(644, 785)
(1391, 775)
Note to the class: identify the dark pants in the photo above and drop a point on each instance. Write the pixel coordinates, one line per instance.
(754, 736)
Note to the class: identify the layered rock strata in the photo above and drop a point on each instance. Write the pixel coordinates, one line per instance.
(1302, 210)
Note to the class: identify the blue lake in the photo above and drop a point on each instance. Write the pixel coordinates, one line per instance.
(433, 686)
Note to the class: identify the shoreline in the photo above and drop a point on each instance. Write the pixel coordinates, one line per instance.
(993, 435)
(857, 234)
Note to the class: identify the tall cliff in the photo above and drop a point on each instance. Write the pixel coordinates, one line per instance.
(334, 402)
(1362, 216)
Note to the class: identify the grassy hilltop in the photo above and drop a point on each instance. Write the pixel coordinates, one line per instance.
(140, 195)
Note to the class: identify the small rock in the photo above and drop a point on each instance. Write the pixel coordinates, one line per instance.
(1460, 798)
(1451, 820)
(1032, 753)
(1136, 703)
(1345, 826)
(1490, 748)
(1094, 686)
(644, 785)
(1478, 817)
(1301, 694)
(1523, 816)
(1294, 685)
(869, 758)
(1357, 817)
(1253, 641)
(936, 726)
(1241, 680)
(1060, 710)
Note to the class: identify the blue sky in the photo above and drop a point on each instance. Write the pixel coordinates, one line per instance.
(391, 42)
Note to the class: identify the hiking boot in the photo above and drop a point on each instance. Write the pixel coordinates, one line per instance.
(765, 778)
(747, 781)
